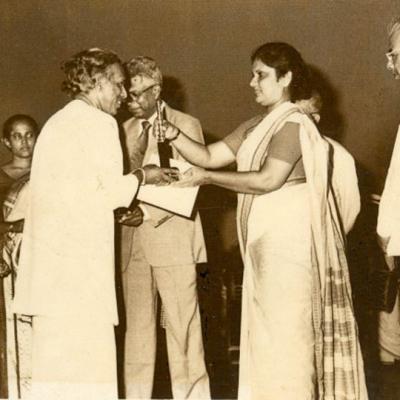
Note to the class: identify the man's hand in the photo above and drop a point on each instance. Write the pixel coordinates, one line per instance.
(17, 226)
(160, 176)
(131, 217)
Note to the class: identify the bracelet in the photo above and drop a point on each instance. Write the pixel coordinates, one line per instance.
(179, 132)
(143, 173)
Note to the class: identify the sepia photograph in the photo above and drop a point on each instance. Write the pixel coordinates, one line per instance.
(200, 199)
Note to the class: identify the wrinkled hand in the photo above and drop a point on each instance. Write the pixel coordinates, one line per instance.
(131, 217)
(194, 176)
(160, 176)
(165, 130)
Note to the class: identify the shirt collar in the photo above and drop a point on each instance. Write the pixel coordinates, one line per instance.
(153, 117)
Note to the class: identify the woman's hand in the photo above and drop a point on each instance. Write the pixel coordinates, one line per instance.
(166, 131)
(160, 176)
(194, 176)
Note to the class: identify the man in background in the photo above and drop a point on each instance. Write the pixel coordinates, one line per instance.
(342, 169)
(160, 255)
(388, 230)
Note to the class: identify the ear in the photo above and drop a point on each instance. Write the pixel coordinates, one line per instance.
(286, 79)
(157, 91)
(98, 82)
(6, 143)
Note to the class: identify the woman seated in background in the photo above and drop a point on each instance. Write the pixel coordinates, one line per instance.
(299, 337)
(19, 136)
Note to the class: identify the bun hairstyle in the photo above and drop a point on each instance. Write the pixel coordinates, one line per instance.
(284, 58)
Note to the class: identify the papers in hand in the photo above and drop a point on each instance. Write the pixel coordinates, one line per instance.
(174, 199)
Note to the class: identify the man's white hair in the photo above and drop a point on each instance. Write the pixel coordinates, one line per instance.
(394, 26)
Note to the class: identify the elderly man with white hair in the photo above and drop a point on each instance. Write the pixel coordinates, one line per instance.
(160, 251)
(66, 277)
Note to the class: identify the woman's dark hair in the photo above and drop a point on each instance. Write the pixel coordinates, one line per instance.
(284, 58)
(10, 122)
(83, 69)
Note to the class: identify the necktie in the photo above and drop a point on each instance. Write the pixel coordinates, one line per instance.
(138, 152)
(143, 139)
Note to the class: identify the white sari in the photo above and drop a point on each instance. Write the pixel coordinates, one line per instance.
(295, 272)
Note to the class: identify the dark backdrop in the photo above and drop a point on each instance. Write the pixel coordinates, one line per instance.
(205, 45)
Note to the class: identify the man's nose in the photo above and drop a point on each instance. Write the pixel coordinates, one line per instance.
(253, 82)
(123, 93)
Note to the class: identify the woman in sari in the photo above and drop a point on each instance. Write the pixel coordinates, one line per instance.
(19, 136)
(299, 338)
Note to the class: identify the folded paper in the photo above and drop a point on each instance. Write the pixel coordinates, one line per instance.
(174, 199)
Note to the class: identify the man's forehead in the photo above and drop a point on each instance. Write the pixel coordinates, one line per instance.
(115, 72)
(395, 40)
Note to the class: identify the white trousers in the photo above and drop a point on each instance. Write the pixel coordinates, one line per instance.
(177, 288)
(73, 359)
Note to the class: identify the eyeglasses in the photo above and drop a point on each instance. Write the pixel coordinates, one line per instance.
(138, 95)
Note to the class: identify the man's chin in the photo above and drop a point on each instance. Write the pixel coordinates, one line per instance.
(395, 73)
(137, 114)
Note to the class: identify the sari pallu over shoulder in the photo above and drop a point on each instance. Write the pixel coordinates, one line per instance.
(339, 364)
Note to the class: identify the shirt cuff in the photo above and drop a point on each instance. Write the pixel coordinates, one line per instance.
(128, 190)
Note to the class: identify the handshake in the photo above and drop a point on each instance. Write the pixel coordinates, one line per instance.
(149, 174)
(153, 174)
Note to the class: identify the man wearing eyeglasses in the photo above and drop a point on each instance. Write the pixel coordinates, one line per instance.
(393, 55)
(388, 230)
(160, 255)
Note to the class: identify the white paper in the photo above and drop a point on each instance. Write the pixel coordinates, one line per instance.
(174, 199)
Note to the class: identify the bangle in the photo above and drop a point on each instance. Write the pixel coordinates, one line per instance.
(142, 181)
(179, 132)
